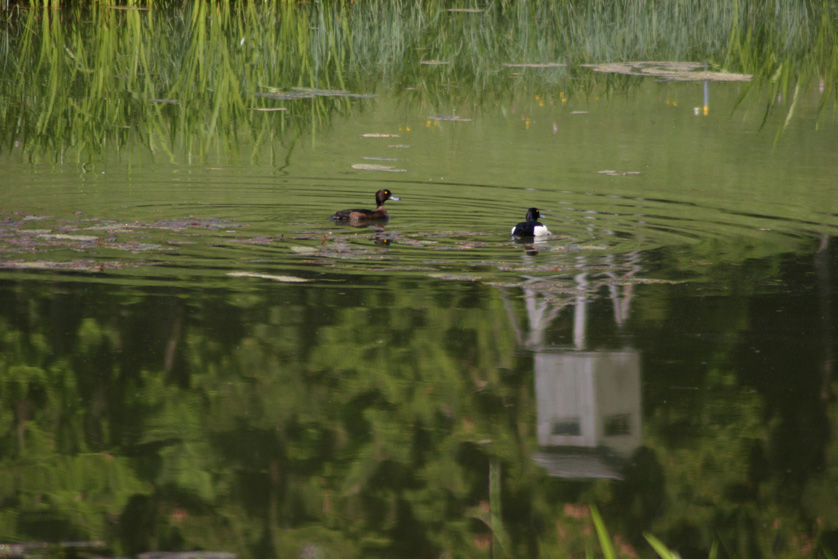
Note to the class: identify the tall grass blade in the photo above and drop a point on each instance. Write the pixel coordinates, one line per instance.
(602, 534)
(663, 551)
(498, 531)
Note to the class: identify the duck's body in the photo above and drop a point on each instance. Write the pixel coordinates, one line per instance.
(531, 227)
(378, 214)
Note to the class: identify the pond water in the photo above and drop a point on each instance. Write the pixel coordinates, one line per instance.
(195, 357)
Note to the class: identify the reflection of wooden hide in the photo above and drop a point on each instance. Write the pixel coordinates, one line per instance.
(589, 400)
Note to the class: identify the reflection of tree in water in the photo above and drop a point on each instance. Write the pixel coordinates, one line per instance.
(743, 425)
(794, 378)
(290, 418)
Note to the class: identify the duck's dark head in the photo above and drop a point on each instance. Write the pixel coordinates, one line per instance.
(383, 195)
(533, 214)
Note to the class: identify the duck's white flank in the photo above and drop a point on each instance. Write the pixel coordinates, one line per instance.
(539, 230)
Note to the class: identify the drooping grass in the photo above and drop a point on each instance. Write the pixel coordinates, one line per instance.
(86, 76)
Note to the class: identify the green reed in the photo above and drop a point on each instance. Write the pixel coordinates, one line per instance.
(188, 77)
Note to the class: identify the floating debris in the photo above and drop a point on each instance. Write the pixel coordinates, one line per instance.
(434, 63)
(466, 10)
(254, 241)
(111, 227)
(64, 237)
(381, 159)
(535, 65)
(287, 95)
(93, 548)
(272, 277)
(611, 173)
(461, 245)
(212, 223)
(88, 266)
(449, 118)
(300, 249)
(645, 281)
(448, 234)
(399, 146)
(187, 555)
(377, 135)
(333, 93)
(268, 109)
(370, 167)
(135, 247)
(100, 239)
(310, 93)
(455, 277)
(670, 71)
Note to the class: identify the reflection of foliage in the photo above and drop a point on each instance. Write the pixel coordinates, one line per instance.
(53, 468)
(715, 422)
(378, 420)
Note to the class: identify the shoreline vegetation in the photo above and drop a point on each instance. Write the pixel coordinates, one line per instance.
(78, 77)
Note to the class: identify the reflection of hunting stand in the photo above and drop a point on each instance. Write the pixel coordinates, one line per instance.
(589, 405)
(589, 414)
(546, 298)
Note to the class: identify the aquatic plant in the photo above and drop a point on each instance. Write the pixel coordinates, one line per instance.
(205, 76)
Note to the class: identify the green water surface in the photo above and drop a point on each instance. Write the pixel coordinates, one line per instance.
(193, 356)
